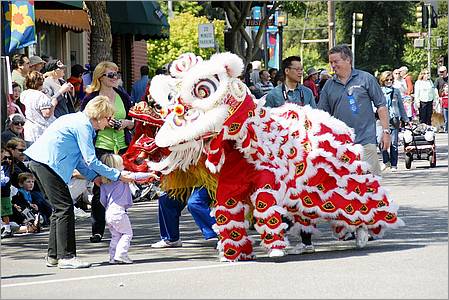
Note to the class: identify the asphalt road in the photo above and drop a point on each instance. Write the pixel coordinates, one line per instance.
(410, 262)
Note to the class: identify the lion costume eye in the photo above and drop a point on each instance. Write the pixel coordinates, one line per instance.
(206, 87)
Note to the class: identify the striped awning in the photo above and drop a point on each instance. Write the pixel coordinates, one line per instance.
(75, 20)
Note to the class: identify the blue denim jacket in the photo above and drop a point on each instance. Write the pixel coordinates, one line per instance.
(66, 145)
(275, 97)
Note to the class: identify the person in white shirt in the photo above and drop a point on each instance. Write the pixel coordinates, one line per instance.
(39, 111)
(424, 96)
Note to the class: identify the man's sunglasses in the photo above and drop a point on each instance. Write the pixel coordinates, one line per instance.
(111, 75)
(7, 158)
(18, 123)
(20, 149)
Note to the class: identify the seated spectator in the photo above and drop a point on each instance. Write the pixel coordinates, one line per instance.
(39, 108)
(16, 146)
(36, 63)
(264, 85)
(14, 127)
(25, 210)
(13, 105)
(76, 79)
(138, 90)
(273, 72)
(6, 206)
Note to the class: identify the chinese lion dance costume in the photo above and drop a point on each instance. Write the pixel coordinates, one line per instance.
(288, 164)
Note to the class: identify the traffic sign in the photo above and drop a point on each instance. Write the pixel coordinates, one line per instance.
(206, 37)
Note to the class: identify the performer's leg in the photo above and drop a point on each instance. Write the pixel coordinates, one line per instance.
(198, 206)
(169, 213)
(267, 211)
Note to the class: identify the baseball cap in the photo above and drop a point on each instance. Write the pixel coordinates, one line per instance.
(34, 60)
(15, 118)
(54, 64)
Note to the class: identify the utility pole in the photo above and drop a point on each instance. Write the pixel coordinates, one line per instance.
(170, 9)
(331, 23)
(353, 40)
(429, 38)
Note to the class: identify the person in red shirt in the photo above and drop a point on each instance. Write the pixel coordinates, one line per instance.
(312, 76)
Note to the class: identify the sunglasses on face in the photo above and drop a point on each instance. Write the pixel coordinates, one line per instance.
(18, 123)
(20, 149)
(7, 158)
(111, 75)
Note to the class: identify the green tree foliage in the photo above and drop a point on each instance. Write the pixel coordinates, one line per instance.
(183, 38)
(381, 44)
(309, 23)
(191, 7)
(416, 58)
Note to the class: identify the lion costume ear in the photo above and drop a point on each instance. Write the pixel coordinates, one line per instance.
(232, 63)
(160, 88)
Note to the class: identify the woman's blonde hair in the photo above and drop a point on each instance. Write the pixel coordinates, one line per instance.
(99, 71)
(421, 74)
(111, 160)
(99, 107)
(383, 77)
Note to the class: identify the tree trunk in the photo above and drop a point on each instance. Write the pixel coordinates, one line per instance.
(100, 36)
(237, 12)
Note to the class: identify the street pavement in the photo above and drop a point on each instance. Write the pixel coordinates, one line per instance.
(410, 262)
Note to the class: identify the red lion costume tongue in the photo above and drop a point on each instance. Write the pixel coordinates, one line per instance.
(142, 147)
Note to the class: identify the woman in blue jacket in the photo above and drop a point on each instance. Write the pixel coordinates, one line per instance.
(66, 145)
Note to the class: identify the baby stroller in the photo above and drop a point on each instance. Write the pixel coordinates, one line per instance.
(419, 143)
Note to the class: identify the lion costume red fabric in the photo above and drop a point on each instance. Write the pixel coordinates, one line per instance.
(294, 162)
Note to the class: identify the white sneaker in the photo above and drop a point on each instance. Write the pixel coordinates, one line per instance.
(361, 237)
(167, 244)
(276, 253)
(80, 214)
(383, 166)
(123, 260)
(302, 248)
(394, 169)
(72, 263)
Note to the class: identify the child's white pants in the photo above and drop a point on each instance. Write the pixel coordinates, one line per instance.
(121, 231)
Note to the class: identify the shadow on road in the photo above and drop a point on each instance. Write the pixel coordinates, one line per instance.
(423, 227)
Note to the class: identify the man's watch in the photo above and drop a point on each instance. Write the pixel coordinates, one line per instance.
(387, 131)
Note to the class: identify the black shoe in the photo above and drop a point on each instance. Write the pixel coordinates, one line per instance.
(96, 238)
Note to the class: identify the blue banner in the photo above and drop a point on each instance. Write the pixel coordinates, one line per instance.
(19, 29)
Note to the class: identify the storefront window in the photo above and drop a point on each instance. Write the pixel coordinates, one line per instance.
(47, 38)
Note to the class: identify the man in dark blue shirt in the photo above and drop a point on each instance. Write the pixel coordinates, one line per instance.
(138, 90)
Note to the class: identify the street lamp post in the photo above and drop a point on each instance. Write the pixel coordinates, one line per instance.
(282, 20)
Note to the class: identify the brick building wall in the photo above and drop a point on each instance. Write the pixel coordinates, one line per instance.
(138, 57)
